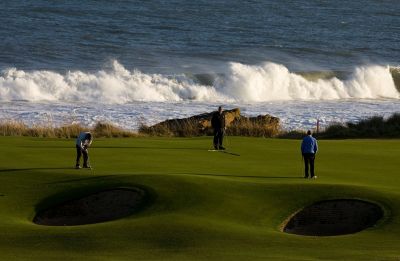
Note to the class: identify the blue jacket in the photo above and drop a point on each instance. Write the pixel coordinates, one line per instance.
(82, 141)
(309, 145)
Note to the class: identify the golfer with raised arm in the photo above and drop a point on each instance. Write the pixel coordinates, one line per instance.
(309, 148)
(83, 142)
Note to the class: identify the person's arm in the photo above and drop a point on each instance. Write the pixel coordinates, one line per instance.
(213, 121)
(302, 147)
(88, 142)
(81, 145)
(315, 146)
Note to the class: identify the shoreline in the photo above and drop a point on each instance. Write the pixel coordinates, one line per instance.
(293, 114)
(376, 127)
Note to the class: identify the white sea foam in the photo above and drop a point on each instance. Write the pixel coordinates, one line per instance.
(239, 83)
(273, 82)
(293, 114)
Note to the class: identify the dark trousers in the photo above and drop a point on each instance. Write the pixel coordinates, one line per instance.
(79, 153)
(308, 164)
(218, 138)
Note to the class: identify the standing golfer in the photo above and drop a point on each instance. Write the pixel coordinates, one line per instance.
(83, 142)
(309, 148)
(218, 124)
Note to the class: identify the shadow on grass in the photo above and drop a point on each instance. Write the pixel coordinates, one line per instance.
(95, 178)
(134, 147)
(143, 147)
(137, 147)
(167, 148)
(33, 169)
(230, 153)
(240, 176)
(81, 179)
(117, 147)
(166, 174)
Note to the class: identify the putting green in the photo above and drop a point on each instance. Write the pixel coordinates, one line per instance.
(206, 205)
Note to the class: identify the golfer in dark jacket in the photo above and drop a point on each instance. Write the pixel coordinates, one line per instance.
(218, 124)
(309, 148)
(83, 142)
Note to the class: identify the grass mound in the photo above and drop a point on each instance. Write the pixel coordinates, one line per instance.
(334, 217)
(201, 205)
(94, 208)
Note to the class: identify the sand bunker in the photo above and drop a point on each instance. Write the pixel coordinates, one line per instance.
(95, 208)
(334, 217)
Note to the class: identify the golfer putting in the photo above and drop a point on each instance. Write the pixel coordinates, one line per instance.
(83, 142)
(309, 148)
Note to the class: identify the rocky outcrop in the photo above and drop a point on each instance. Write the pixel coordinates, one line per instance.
(262, 125)
(396, 77)
(204, 120)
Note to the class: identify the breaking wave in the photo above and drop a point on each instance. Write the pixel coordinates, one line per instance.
(238, 83)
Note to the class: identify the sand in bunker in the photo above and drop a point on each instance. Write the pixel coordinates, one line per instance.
(334, 217)
(94, 208)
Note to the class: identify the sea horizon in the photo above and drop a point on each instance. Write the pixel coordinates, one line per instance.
(301, 61)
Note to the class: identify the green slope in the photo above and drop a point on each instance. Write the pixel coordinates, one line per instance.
(207, 205)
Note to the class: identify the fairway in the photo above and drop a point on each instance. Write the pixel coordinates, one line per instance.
(205, 205)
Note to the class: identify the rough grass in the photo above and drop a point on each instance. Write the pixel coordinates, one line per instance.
(374, 127)
(252, 128)
(101, 129)
(207, 205)
(190, 128)
(186, 128)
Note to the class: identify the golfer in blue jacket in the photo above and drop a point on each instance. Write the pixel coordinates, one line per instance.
(309, 148)
(83, 142)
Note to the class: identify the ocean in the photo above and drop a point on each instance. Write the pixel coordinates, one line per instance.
(141, 62)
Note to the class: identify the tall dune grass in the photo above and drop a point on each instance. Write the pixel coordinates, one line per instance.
(175, 128)
(192, 128)
(101, 129)
(374, 127)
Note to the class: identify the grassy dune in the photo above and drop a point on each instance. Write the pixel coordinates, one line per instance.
(206, 206)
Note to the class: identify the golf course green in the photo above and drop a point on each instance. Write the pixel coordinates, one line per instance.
(203, 205)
